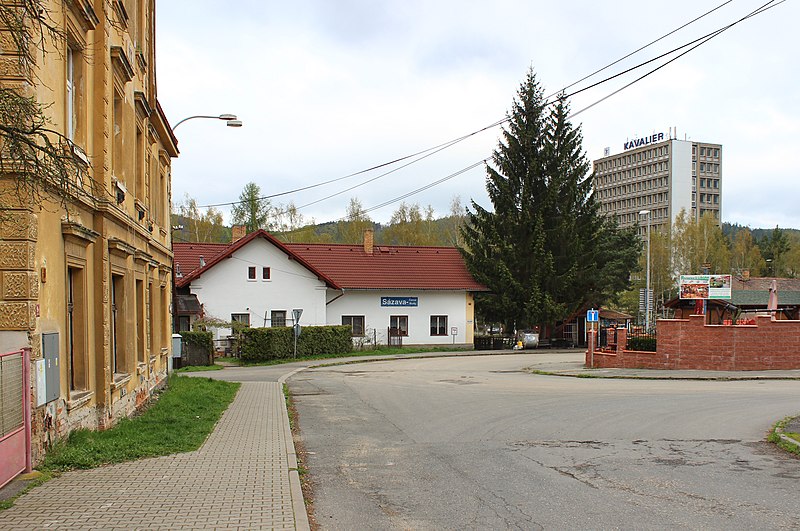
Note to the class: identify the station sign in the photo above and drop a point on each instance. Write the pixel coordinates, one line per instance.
(400, 301)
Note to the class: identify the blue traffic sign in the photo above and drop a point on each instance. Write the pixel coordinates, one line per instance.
(593, 316)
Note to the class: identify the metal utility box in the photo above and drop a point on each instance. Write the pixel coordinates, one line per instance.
(52, 370)
(177, 351)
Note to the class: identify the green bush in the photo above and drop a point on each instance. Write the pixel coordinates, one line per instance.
(264, 344)
(198, 348)
(199, 339)
(642, 344)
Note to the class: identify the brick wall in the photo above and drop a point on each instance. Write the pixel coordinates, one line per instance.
(691, 344)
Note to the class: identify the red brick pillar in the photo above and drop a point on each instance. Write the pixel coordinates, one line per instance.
(622, 339)
(592, 346)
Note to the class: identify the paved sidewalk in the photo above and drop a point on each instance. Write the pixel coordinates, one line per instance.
(572, 364)
(243, 477)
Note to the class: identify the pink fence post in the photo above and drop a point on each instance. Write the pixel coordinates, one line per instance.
(26, 404)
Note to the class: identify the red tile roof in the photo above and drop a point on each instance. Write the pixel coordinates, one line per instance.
(347, 266)
(390, 267)
(187, 255)
(193, 253)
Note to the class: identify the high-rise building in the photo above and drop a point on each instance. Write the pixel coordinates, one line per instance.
(663, 175)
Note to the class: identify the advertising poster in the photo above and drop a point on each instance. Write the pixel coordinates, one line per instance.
(705, 287)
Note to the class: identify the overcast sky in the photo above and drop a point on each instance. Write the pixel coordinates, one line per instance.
(326, 88)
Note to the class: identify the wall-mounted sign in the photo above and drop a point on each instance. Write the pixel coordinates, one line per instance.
(400, 301)
(645, 141)
(705, 287)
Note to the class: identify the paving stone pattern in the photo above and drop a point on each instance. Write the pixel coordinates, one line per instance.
(238, 479)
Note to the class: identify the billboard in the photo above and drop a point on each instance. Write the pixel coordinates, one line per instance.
(705, 287)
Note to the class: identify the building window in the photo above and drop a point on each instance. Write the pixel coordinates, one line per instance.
(355, 322)
(241, 318)
(702, 152)
(251, 273)
(716, 153)
(183, 323)
(438, 325)
(141, 315)
(117, 160)
(71, 92)
(266, 274)
(278, 318)
(399, 325)
(76, 328)
(118, 362)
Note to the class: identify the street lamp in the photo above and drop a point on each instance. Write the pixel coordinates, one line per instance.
(647, 287)
(230, 120)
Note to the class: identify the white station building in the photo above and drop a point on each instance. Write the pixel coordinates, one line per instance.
(422, 294)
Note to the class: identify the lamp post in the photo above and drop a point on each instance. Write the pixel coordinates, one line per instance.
(230, 120)
(647, 288)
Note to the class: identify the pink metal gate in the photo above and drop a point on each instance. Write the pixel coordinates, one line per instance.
(15, 415)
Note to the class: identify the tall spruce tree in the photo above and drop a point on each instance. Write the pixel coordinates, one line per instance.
(544, 250)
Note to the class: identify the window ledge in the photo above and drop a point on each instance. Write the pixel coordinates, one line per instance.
(79, 399)
(141, 368)
(120, 380)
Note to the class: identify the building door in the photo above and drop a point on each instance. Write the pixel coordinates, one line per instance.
(13, 411)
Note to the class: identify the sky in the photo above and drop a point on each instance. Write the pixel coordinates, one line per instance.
(328, 88)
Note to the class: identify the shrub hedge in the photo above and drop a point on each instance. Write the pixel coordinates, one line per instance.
(199, 348)
(264, 344)
(642, 344)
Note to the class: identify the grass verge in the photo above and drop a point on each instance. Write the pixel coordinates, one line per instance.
(306, 483)
(180, 420)
(200, 368)
(382, 351)
(778, 430)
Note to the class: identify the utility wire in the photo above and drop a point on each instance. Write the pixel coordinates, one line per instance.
(708, 37)
(444, 145)
(696, 43)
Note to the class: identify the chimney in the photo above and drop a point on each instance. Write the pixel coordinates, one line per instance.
(746, 275)
(369, 240)
(202, 261)
(238, 232)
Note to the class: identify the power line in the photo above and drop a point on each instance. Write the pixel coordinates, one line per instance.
(708, 37)
(696, 43)
(445, 145)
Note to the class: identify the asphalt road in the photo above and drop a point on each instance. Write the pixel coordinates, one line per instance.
(476, 443)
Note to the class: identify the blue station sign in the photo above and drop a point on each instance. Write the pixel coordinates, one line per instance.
(400, 301)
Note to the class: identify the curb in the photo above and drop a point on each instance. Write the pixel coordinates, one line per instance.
(589, 376)
(298, 502)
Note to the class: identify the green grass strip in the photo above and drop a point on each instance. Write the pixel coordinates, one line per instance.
(200, 368)
(775, 436)
(381, 351)
(179, 421)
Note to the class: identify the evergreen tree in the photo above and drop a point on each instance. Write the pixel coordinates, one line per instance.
(252, 211)
(544, 250)
(774, 247)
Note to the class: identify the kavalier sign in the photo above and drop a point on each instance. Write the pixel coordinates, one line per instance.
(645, 141)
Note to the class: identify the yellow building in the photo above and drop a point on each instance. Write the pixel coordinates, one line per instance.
(85, 243)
